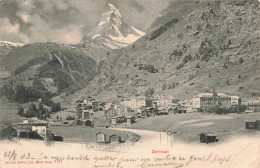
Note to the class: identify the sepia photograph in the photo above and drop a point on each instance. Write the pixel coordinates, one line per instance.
(130, 83)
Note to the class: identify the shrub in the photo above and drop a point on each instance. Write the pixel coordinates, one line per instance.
(177, 53)
(8, 92)
(181, 65)
(70, 118)
(20, 111)
(225, 66)
(56, 107)
(241, 60)
(149, 92)
(207, 50)
(32, 111)
(164, 86)
(172, 86)
(198, 65)
(227, 82)
(187, 58)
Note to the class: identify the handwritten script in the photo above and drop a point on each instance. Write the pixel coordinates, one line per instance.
(115, 161)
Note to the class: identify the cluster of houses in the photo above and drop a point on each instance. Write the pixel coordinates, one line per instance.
(126, 109)
(207, 100)
(34, 129)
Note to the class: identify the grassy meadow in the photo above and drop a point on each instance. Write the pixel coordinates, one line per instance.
(187, 127)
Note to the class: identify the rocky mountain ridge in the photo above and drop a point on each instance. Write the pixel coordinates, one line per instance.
(113, 32)
(191, 47)
(208, 45)
(56, 67)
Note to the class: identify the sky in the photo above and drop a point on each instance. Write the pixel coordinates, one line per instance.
(66, 21)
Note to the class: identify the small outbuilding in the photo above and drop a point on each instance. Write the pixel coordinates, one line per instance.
(130, 120)
(30, 135)
(208, 137)
(87, 114)
(101, 137)
(57, 138)
(115, 139)
(250, 124)
(257, 125)
(120, 119)
(88, 123)
(40, 128)
(113, 120)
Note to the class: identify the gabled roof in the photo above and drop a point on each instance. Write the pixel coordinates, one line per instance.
(101, 133)
(209, 133)
(87, 111)
(114, 135)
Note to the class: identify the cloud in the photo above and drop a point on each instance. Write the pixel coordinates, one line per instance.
(11, 32)
(66, 21)
(136, 5)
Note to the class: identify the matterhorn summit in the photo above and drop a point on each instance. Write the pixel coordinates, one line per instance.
(113, 32)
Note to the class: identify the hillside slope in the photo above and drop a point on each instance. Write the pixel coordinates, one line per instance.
(5, 47)
(57, 67)
(208, 45)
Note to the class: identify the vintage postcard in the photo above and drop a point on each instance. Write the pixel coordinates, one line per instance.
(129, 83)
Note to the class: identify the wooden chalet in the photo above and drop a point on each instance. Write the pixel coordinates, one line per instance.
(208, 137)
(101, 137)
(115, 139)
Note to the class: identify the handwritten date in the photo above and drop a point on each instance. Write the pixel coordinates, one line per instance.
(13, 155)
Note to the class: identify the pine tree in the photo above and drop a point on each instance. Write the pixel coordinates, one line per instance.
(228, 83)
(20, 111)
(198, 65)
(40, 106)
(32, 111)
(20, 93)
(164, 86)
(79, 112)
(241, 60)
(40, 111)
(149, 92)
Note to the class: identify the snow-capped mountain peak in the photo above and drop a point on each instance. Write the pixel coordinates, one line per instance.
(115, 10)
(112, 14)
(112, 31)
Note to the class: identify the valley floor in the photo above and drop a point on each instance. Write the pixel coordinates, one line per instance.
(239, 152)
(187, 127)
